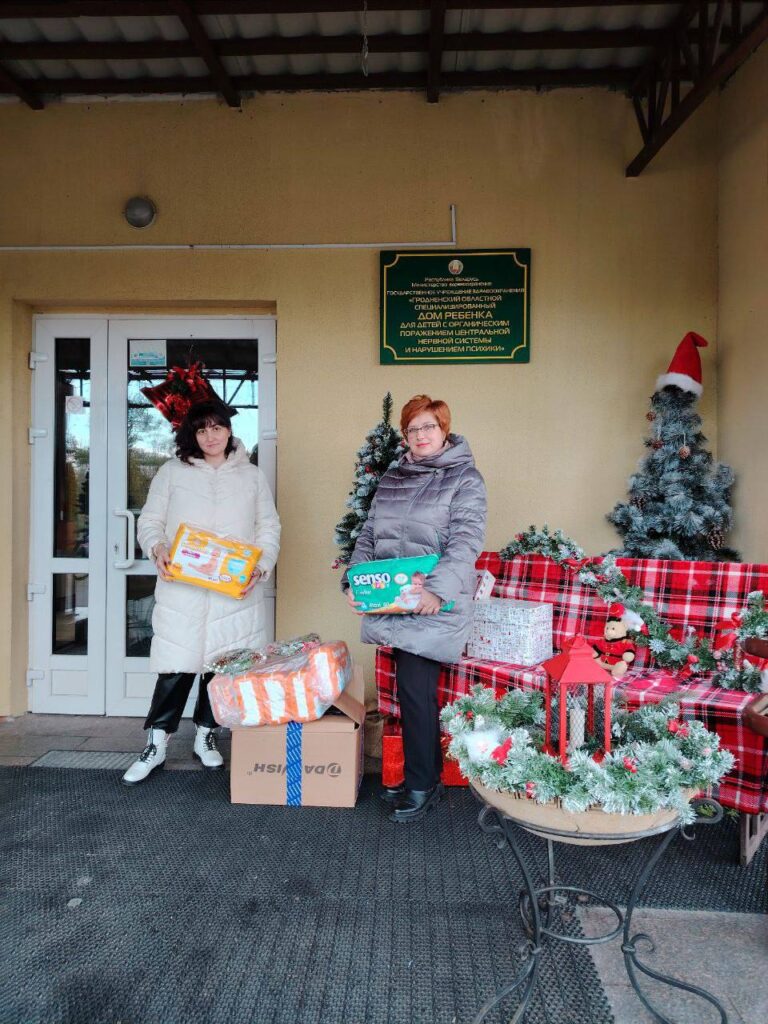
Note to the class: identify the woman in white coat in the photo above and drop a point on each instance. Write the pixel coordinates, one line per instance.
(210, 484)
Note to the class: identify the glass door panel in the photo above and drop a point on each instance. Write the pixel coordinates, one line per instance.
(232, 354)
(70, 613)
(67, 583)
(139, 604)
(232, 368)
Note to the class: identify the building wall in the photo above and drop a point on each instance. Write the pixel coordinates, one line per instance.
(621, 270)
(743, 298)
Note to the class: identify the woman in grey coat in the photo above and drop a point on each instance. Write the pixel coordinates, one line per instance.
(432, 502)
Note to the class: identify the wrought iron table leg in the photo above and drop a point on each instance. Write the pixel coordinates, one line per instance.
(536, 908)
(630, 942)
(494, 824)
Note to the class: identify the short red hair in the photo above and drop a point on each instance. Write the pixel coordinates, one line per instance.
(423, 403)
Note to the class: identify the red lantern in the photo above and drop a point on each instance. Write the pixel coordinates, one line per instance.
(575, 666)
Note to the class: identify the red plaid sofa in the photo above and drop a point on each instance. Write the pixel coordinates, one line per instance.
(697, 594)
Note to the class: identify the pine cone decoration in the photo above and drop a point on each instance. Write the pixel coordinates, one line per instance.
(715, 538)
(638, 501)
(657, 443)
(650, 416)
(684, 451)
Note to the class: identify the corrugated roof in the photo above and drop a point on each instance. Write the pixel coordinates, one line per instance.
(170, 57)
(227, 27)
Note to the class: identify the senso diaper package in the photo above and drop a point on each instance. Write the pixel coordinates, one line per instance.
(201, 558)
(392, 586)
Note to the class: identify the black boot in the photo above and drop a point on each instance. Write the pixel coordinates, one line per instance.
(413, 804)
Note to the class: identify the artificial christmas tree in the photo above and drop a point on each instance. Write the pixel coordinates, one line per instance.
(382, 449)
(679, 499)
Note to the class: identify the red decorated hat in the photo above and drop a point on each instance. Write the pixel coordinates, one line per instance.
(184, 387)
(685, 369)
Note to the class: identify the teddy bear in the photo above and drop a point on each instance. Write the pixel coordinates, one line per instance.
(615, 652)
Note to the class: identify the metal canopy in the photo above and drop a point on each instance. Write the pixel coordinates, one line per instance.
(667, 56)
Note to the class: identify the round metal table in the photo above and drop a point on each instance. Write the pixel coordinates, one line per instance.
(541, 905)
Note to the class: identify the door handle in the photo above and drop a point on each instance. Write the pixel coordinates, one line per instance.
(127, 562)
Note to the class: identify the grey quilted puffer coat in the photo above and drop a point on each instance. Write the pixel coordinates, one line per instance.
(434, 506)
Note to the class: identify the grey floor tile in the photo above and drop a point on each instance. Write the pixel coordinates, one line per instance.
(126, 742)
(63, 725)
(16, 760)
(627, 1009)
(725, 954)
(36, 745)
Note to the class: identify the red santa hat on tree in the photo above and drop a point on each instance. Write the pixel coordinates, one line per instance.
(685, 369)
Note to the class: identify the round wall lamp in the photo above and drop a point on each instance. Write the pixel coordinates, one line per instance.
(140, 212)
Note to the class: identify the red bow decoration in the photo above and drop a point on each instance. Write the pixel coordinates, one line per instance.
(676, 727)
(184, 387)
(575, 563)
(727, 628)
(728, 640)
(499, 755)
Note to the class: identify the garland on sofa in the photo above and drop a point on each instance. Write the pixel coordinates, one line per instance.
(688, 655)
(734, 671)
(657, 757)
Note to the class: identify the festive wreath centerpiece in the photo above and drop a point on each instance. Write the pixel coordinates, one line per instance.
(656, 764)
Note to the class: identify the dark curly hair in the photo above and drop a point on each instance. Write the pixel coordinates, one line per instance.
(204, 414)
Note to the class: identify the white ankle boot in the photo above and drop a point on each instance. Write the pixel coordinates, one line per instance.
(151, 757)
(205, 749)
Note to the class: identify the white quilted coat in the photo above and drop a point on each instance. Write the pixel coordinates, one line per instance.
(191, 625)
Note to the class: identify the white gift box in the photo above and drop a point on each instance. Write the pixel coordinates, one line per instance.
(504, 629)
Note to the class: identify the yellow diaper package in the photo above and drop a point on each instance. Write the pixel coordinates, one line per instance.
(223, 564)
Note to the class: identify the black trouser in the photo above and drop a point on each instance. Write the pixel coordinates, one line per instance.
(417, 692)
(170, 696)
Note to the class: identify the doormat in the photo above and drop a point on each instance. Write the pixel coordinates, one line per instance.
(84, 759)
(165, 903)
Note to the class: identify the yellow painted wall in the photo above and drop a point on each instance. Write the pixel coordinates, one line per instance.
(743, 298)
(621, 270)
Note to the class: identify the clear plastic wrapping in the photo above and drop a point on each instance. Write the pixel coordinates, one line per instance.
(295, 687)
(283, 654)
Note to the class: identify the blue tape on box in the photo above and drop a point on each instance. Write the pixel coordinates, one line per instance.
(293, 764)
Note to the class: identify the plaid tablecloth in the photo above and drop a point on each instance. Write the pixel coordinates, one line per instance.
(685, 593)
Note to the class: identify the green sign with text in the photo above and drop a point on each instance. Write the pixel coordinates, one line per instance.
(467, 306)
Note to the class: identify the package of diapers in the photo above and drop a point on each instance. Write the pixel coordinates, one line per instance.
(392, 586)
(296, 691)
(201, 558)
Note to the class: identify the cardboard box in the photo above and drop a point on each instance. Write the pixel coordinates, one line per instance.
(317, 764)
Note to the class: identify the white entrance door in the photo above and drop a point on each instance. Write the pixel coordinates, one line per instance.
(97, 442)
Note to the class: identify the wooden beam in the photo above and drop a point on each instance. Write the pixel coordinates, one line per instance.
(435, 52)
(717, 31)
(722, 69)
(159, 49)
(157, 8)
(199, 37)
(25, 90)
(705, 59)
(676, 35)
(736, 18)
(642, 121)
(539, 78)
